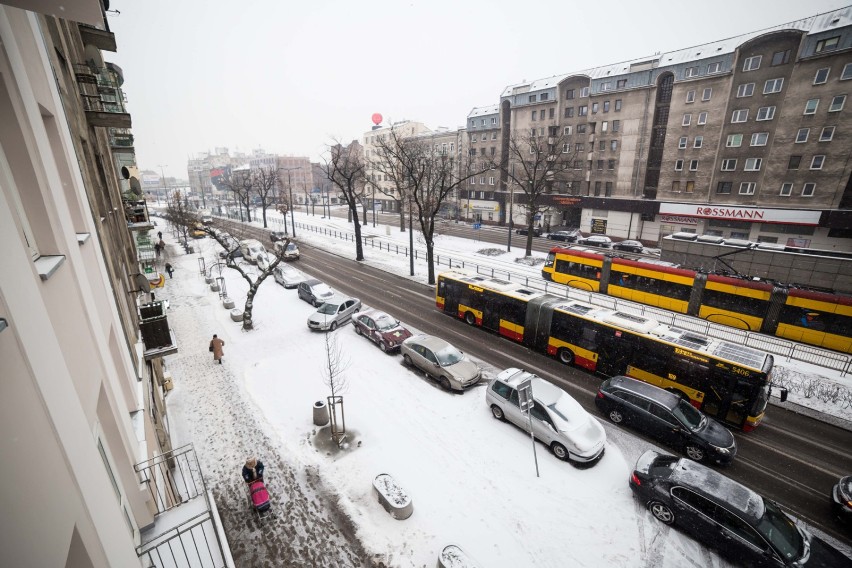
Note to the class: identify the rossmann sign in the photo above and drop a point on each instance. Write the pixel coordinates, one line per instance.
(754, 214)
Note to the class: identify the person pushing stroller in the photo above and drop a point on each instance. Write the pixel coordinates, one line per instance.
(253, 470)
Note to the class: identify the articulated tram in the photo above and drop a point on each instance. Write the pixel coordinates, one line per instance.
(816, 318)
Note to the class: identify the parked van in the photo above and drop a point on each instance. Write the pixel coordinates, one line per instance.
(250, 249)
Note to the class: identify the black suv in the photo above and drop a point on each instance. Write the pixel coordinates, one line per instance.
(721, 513)
(667, 417)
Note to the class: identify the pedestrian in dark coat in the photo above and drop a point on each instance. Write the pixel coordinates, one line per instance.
(160, 235)
(169, 269)
(216, 346)
(253, 470)
(157, 249)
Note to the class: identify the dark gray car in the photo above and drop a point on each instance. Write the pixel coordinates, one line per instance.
(314, 292)
(667, 417)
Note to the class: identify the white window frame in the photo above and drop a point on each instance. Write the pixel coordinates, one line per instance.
(802, 135)
(584, 92)
(491, 180)
(786, 189)
(827, 71)
(739, 113)
(693, 165)
(729, 165)
(822, 45)
(847, 72)
(808, 106)
(773, 86)
(748, 188)
(567, 131)
(692, 71)
(752, 164)
(706, 94)
(690, 96)
(678, 167)
(702, 117)
(731, 138)
(473, 138)
(821, 158)
(805, 189)
(606, 86)
(823, 138)
(683, 142)
(755, 137)
(752, 63)
(698, 142)
(770, 113)
(832, 107)
(745, 90)
(714, 67)
(566, 148)
(687, 119)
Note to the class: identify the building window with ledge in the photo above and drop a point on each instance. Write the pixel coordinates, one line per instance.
(734, 140)
(729, 165)
(699, 141)
(682, 143)
(739, 115)
(766, 113)
(817, 162)
(847, 72)
(693, 165)
(745, 90)
(837, 103)
(786, 189)
(827, 134)
(821, 75)
(678, 165)
(690, 187)
(702, 118)
(690, 96)
(747, 188)
(753, 164)
(773, 86)
(802, 135)
(724, 187)
(811, 106)
(794, 162)
(759, 138)
(714, 68)
(752, 63)
(687, 120)
(828, 44)
(808, 190)
(780, 57)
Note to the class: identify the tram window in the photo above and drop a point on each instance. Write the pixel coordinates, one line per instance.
(578, 269)
(651, 285)
(814, 319)
(734, 303)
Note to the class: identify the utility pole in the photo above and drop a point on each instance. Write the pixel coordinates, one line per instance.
(165, 185)
(290, 189)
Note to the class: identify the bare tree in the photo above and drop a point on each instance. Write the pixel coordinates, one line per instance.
(537, 165)
(241, 184)
(264, 182)
(179, 215)
(334, 366)
(345, 169)
(389, 162)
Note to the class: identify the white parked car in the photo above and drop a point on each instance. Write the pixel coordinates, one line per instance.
(557, 419)
(441, 361)
(250, 249)
(335, 312)
(288, 276)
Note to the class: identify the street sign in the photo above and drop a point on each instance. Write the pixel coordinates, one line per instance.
(477, 225)
(525, 396)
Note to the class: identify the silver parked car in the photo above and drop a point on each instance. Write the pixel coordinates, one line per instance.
(333, 313)
(314, 292)
(441, 361)
(288, 276)
(557, 419)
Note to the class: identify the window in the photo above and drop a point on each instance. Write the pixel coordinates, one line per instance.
(494, 122)
(705, 95)
(535, 113)
(604, 126)
(780, 57)
(581, 128)
(600, 164)
(714, 67)
(491, 180)
(569, 112)
(676, 186)
(620, 83)
(794, 162)
(693, 165)
(747, 188)
(690, 96)
(734, 140)
(613, 145)
(616, 124)
(829, 44)
(759, 138)
(690, 187)
(752, 63)
(579, 147)
(597, 188)
(729, 165)
(493, 134)
(606, 86)
(584, 92)
(532, 98)
(702, 118)
(682, 142)
(532, 134)
(610, 165)
(786, 189)
(724, 187)
(687, 119)
(678, 165)
(567, 131)
(817, 162)
(808, 189)
(569, 94)
(543, 97)
(773, 86)
(811, 106)
(802, 135)
(566, 148)
(595, 107)
(473, 138)
(617, 105)
(765, 113)
(740, 115)
(821, 76)
(583, 110)
(699, 141)
(827, 134)
(837, 103)
(606, 106)
(473, 181)
(752, 165)
(745, 90)
(551, 112)
(692, 71)
(847, 72)
(602, 145)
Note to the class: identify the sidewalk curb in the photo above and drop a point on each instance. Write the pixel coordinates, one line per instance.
(841, 423)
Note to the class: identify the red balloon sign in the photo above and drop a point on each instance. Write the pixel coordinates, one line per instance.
(377, 118)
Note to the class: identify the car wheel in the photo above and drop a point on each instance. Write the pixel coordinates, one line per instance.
(407, 360)
(357, 330)
(566, 356)
(383, 346)
(497, 412)
(559, 451)
(616, 416)
(445, 383)
(357, 310)
(695, 453)
(333, 325)
(469, 318)
(314, 303)
(662, 512)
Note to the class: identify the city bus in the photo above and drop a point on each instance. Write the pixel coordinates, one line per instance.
(727, 381)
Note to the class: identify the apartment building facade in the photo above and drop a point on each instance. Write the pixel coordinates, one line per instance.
(82, 341)
(384, 195)
(746, 137)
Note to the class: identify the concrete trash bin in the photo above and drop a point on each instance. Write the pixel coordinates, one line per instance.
(320, 413)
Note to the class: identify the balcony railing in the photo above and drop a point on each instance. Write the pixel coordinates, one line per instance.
(158, 338)
(102, 97)
(136, 214)
(120, 138)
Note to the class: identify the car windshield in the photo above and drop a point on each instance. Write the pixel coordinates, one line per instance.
(255, 249)
(688, 415)
(781, 532)
(291, 247)
(328, 309)
(386, 322)
(321, 290)
(449, 355)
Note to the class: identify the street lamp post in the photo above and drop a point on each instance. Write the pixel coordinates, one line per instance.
(165, 185)
(373, 205)
(410, 241)
(290, 189)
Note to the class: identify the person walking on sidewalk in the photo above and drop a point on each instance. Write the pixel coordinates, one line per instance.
(170, 269)
(216, 346)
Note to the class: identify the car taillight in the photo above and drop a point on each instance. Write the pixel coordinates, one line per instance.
(600, 394)
(634, 479)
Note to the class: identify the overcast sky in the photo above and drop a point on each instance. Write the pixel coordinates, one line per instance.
(290, 77)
